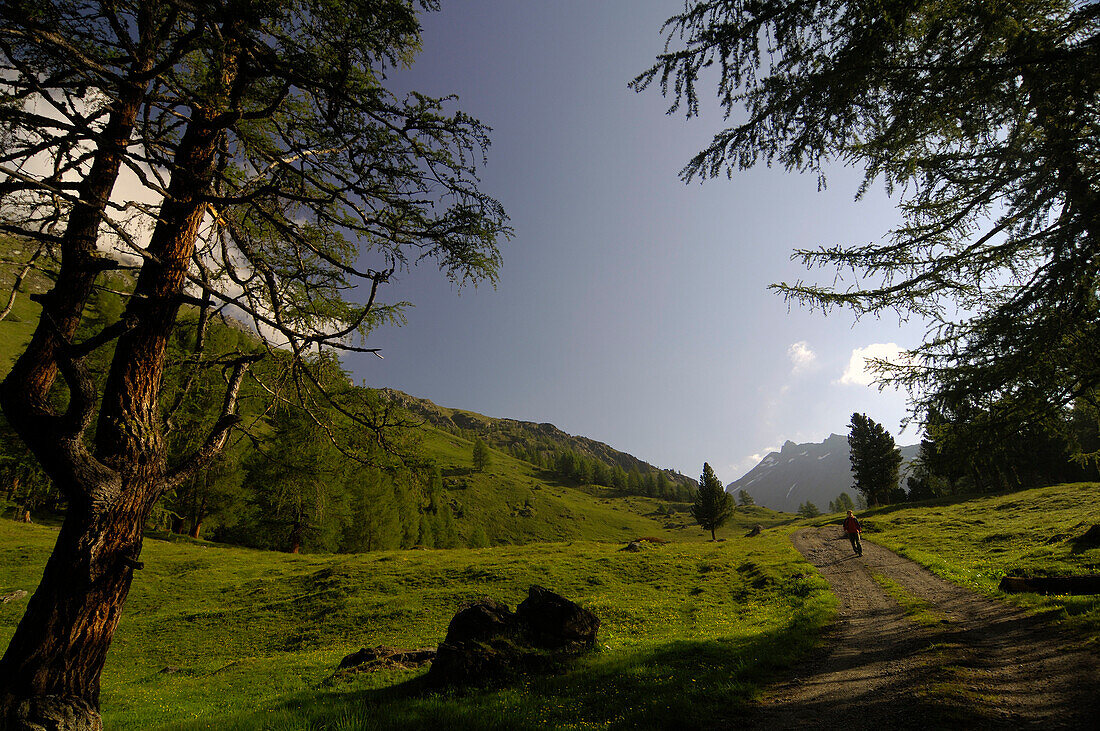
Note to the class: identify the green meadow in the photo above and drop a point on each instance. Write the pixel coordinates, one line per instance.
(230, 638)
(215, 637)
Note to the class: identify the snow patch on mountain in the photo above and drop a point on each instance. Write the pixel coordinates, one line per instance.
(814, 472)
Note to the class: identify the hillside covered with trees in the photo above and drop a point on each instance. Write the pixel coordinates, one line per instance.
(293, 482)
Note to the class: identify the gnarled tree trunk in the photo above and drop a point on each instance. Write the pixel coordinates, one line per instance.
(50, 673)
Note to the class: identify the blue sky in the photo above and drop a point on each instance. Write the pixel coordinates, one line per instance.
(632, 307)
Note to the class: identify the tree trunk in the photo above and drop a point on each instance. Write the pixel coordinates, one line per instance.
(200, 513)
(296, 531)
(50, 673)
(51, 670)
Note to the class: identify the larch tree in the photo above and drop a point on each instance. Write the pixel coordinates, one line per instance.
(808, 510)
(876, 460)
(713, 506)
(480, 455)
(230, 155)
(983, 117)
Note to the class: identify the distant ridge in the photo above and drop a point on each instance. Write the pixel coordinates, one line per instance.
(517, 436)
(816, 472)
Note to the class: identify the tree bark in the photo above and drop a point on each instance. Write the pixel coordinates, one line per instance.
(51, 671)
(57, 653)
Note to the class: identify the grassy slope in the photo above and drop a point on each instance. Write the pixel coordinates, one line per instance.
(517, 502)
(17, 327)
(251, 639)
(505, 433)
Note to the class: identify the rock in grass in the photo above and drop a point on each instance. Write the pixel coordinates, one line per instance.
(1090, 539)
(1069, 585)
(486, 642)
(551, 621)
(375, 658)
(482, 620)
(639, 543)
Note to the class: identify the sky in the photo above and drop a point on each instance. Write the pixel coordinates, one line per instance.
(632, 307)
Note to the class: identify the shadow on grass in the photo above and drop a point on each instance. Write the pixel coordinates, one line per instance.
(682, 684)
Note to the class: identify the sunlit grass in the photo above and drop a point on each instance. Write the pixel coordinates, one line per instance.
(230, 638)
(976, 542)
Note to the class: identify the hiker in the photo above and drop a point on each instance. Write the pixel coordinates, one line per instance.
(852, 529)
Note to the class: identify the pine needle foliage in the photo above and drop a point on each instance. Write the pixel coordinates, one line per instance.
(982, 117)
(876, 461)
(713, 505)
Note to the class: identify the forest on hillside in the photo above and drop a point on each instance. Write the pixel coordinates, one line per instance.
(309, 479)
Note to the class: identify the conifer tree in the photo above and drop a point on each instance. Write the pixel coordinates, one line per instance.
(713, 505)
(843, 503)
(876, 460)
(481, 457)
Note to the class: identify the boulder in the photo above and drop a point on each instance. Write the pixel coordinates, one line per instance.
(482, 620)
(486, 642)
(756, 530)
(551, 621)
(1090, 539)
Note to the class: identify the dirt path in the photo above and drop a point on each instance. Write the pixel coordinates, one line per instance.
(971, 662)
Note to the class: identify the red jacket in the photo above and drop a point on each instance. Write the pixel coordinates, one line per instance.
(851, 525)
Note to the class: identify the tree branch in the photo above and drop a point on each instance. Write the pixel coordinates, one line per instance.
(219, 434)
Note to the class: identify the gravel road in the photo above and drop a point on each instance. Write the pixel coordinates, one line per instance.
(972, 662)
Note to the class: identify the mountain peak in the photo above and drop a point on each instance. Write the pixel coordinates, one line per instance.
(814, 471)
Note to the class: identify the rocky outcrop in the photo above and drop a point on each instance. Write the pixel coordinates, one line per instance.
(486, 642)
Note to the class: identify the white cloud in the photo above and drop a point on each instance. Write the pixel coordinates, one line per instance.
(802, 356)
(743, 465)
(857, 372)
